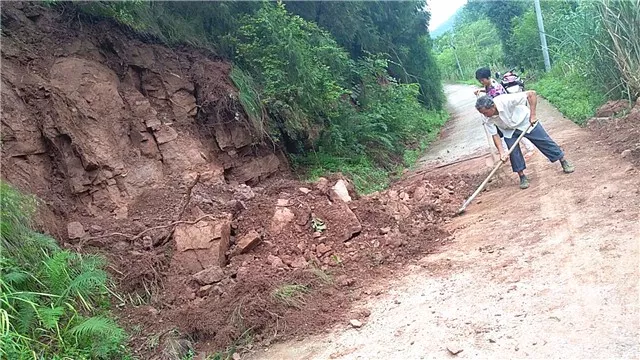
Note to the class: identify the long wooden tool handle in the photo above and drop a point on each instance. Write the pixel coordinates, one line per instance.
(495, 168)
(494, 156)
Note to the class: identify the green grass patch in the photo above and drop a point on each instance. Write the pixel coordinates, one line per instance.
(53, 302)
(321, 275)
(412, 155)
(576, 97)
(291, 294)
(249, 98)
(366, 176)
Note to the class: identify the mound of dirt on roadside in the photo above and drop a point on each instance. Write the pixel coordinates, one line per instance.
(288, 235)
(618, 125)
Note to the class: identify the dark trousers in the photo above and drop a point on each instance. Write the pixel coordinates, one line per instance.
(539, 137)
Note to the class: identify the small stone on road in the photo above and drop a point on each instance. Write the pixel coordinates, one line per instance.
(355, 323)
(454, 349)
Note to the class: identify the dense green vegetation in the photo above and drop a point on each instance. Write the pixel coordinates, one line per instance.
(575, 96)
(53, 302)
(594, 48)
(472, 45)
(342, 86)
(397, 29)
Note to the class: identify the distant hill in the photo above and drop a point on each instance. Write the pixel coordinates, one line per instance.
(447, 25)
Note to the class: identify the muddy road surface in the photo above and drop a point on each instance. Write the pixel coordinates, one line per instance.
(547, 272)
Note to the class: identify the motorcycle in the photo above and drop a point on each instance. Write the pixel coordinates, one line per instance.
(511, 81)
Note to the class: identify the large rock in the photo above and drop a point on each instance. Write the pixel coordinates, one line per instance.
(341, 221)
(281, 218)
(340, 190)
(397, 209)
(283, 202)
(197, 236)
(205, 241)
(247, 242)
(275, 261)
(419, 192)
(254, 169)
(244, 192)
(232, 137)
(89, 95)
(75, 230)
(209, 275)
(164, 134)
(204, 290)
(184, 105)
(454, 348)
(185, 154)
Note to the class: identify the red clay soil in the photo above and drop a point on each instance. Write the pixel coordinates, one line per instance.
(397, 227)
(618, 127)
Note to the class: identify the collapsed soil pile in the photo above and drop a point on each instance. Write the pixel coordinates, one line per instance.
(228, 268)
(144, 154)
(616, 124)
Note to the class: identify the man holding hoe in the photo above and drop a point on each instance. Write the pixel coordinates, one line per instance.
(512, 114)
(492, 88)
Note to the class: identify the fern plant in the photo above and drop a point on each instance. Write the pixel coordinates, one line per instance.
(49, 296)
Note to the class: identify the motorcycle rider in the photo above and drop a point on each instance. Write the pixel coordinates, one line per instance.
(491, 87)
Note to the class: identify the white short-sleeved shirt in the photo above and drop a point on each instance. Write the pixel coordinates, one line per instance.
(513, 114)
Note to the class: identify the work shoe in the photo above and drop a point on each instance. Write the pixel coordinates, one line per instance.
(524, 182)
(567, 167)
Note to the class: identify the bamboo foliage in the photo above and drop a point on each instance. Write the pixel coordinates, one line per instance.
(621, 19)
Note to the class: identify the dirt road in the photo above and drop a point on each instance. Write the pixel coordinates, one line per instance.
(548, 272)
(461, 136)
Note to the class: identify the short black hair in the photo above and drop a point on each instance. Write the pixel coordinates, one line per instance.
(483, 73)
